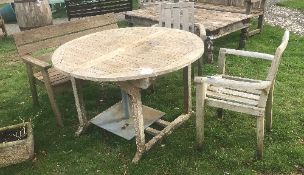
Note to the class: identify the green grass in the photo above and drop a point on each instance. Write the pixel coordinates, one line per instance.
(229, 144)
(295, 4)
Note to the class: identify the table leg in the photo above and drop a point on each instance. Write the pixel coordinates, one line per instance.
(125, 103)
(137, 114)
(83, 122)
(187, 89)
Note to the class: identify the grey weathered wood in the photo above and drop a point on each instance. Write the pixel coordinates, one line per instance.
(83, 122)
(201, 89)
(181, 16)
(239, 94)
(33, 14)
(187, 90)
(49, 37)
(260, 136)
(51, 95)
(152, 131)
(268, 110)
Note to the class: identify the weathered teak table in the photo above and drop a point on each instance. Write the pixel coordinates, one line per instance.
(131, 57)
(216, 22)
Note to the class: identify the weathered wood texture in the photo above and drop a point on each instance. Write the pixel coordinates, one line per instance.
(33, 14)
(155, 50)
(218, 17)
(238, 94)
(2, 26)
(78, 9)
(141, 54)
(46, 39)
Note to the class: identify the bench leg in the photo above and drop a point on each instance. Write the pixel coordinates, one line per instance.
(259, 27)
(209, 49)
(220, 113)
(244, 37)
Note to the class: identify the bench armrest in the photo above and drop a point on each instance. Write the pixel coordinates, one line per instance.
(219, 81)
(36, 62)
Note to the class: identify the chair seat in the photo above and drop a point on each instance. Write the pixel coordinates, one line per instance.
(56, 77)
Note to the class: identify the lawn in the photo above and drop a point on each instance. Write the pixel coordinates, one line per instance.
(229, 144)
(295, 4)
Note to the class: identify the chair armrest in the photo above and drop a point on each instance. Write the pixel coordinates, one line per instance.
(247, 54)
(36, 62)
(219, 81)
(200, 30)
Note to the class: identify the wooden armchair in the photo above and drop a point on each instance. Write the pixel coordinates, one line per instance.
(2, 26)
(45, 39)
(181, 16)
(238, 94)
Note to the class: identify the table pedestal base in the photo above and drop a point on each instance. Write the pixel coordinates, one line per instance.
(115, 120)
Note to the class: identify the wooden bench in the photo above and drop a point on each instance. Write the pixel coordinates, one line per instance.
(2, 26)
(35, 47)
(78, 9)
(219, 17)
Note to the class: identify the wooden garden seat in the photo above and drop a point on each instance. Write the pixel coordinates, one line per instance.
(219, 17)
(84, 8)
(45, 40)
(239, 94)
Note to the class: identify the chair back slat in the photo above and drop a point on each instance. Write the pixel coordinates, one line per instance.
(177, 15)
(53, 36)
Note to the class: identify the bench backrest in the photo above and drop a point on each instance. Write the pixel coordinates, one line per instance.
(52, 36)
(236, 3)
(83, 8)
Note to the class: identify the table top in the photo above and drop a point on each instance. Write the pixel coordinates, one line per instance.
(204, 14)
(128, 53)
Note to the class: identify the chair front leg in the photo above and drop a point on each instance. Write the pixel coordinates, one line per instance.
(51, 95)
(260, 136)
(201, 90)
(268, 110)
(32, 81)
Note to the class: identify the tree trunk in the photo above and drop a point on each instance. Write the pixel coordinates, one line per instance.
(33, 13)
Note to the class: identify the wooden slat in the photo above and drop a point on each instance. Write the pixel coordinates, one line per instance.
(162, 123)
(152, 131)
(231, 98)
(234, 92)
(235, 107)
(55, 42)
(53, 31)
(56, 77)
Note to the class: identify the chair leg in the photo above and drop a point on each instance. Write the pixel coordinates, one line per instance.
(260, 136)
(32, 82)
(52, 97)
(200, 112)
(220, 113)
(268, 110)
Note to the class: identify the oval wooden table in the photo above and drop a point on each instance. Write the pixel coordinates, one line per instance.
(132, 57)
